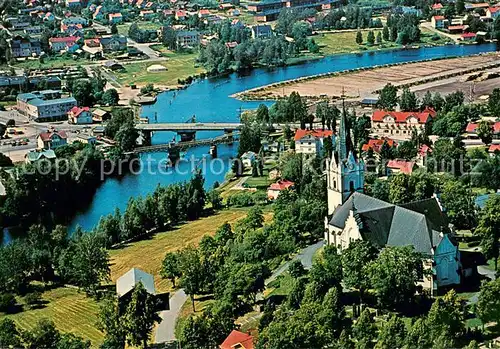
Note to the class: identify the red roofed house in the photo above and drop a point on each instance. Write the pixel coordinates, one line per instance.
(400, 124)
(456, 29)
(203, 13)
(494, 149)
(80, 116)
(423, 152)
(51, 140)
(471, 130)
(59, 44)
(437, 7)
(493, 12)
(400, 166)
(468, 36)
(376, 144)
(237, 340)
(438, 22)
(180, 15)
(231, 44)
(115, 18)
(275, 189)
(310, 141)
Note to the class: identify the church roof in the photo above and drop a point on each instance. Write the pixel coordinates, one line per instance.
(417, 223)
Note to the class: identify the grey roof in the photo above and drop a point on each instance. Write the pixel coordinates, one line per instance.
(127, 282)
(417, 223)
(37, 102)
(107, 40)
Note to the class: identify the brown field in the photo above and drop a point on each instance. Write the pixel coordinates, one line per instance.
(364, 83)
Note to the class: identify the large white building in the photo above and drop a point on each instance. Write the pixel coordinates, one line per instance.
(353, 215)
(400, 125)
(311, 141)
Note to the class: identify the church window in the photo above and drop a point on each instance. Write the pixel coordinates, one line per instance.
(351, 186)
(334, 184)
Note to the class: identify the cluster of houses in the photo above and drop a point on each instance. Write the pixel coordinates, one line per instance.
(483, 11)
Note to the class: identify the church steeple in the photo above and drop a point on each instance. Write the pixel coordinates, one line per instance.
(345, 173)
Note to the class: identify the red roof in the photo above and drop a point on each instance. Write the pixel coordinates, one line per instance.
(236, 337)
(231, 44)
(424, 149)
(403, 116)
(46, 136)
(455, 27)
(493, 148)
(376, 144)
(472, 127)
(496, 127)
(437, 6)
(204, 12)
(438, 18)
(76, 111)
(315, 133)
(281, 185)
(494, 9)
(469, 35)
(67, 39)
(180, 13)
(405, 167)
(480, 5)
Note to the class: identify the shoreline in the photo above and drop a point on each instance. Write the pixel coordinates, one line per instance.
(248, 95)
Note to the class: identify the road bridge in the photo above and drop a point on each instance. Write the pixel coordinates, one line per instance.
(196, 126)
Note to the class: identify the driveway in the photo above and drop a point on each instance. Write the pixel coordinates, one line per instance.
(166, 328)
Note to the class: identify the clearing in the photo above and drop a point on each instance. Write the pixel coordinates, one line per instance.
(179, 66)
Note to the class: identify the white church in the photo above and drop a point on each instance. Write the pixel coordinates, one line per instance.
(353, 215)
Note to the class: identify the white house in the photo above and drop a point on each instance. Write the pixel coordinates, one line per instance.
(248, 158)
(310, 141)
(127, 282)
(275, 189)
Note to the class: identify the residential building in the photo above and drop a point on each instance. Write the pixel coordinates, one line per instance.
(493, 12)
(113, 43)
(33, 156)
(438, 22)
(468, 37)
(98, 14)
(248, 158)
(80, 116)
(180, 15)
(437, 7)
(471, 130)
(115, 18)
(75, 21)
(275, 189)
(52, 139)
(400, 125)
(45, 105)
(353, 215)
(72, 29)
(311, 141)
(423, 152)
(262, 31)
(400, 166)
(49, 17)
(187, 38)
(237, 340)
(265, 11)
(25, 47)
(63, 44)
(494, 150)
(33, 30)
(73, 4)
(375, 145)
(127, 282)
(146, 14)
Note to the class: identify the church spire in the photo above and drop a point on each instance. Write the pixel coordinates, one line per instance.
(342, 150)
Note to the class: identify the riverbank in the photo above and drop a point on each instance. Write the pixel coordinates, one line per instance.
(363, 82)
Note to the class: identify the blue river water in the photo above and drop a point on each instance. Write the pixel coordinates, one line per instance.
(209, 100)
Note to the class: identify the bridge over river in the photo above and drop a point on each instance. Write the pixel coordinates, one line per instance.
(190, 127)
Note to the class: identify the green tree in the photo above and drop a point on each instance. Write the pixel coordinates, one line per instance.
(392, 334)
(262, 113)
(447, 317)
(488, 304)
(110, 97)
(193, 272)
(488, 228)
(110, 322)
(114, 29)
(71, 341)
(42, 336)
(459, 203)
(388, 97)
(370, 38)
(359, 38)
(140, 316)
(170, 267)
(485, 132)
(9, 335)
(364, 328)
(379, 38)
(419, 335)
(460, 6)
(296, 269)
(394, 275)
(355, 261)
(385, 33)
(494, 102)
(408, 100)
(327, 269)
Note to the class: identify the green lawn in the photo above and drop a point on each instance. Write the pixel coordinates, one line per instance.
(426, 37)
(258, 182)
(344, 42)
(123, 28)
(179, 66)
(71, 311)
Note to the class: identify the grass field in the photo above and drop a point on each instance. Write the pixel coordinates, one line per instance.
(179, 66)
(51, 62)
(148, 254)
(71, 311)
(123, 28)
(345, 42)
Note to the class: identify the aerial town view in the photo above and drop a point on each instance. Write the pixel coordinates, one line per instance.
(249, 174)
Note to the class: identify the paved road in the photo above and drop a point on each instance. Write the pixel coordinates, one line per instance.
(485, 272)
(305, 256)
(166, 328)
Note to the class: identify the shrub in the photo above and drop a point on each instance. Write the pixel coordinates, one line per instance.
(33, 298)
(7, 302)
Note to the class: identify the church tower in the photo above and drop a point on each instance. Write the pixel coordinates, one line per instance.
(345, 172)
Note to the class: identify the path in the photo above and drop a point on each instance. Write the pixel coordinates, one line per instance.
(481, 269)
(305, 256)
(428, 25)
(165, 331)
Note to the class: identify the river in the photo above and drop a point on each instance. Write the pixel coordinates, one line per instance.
(209, 100)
